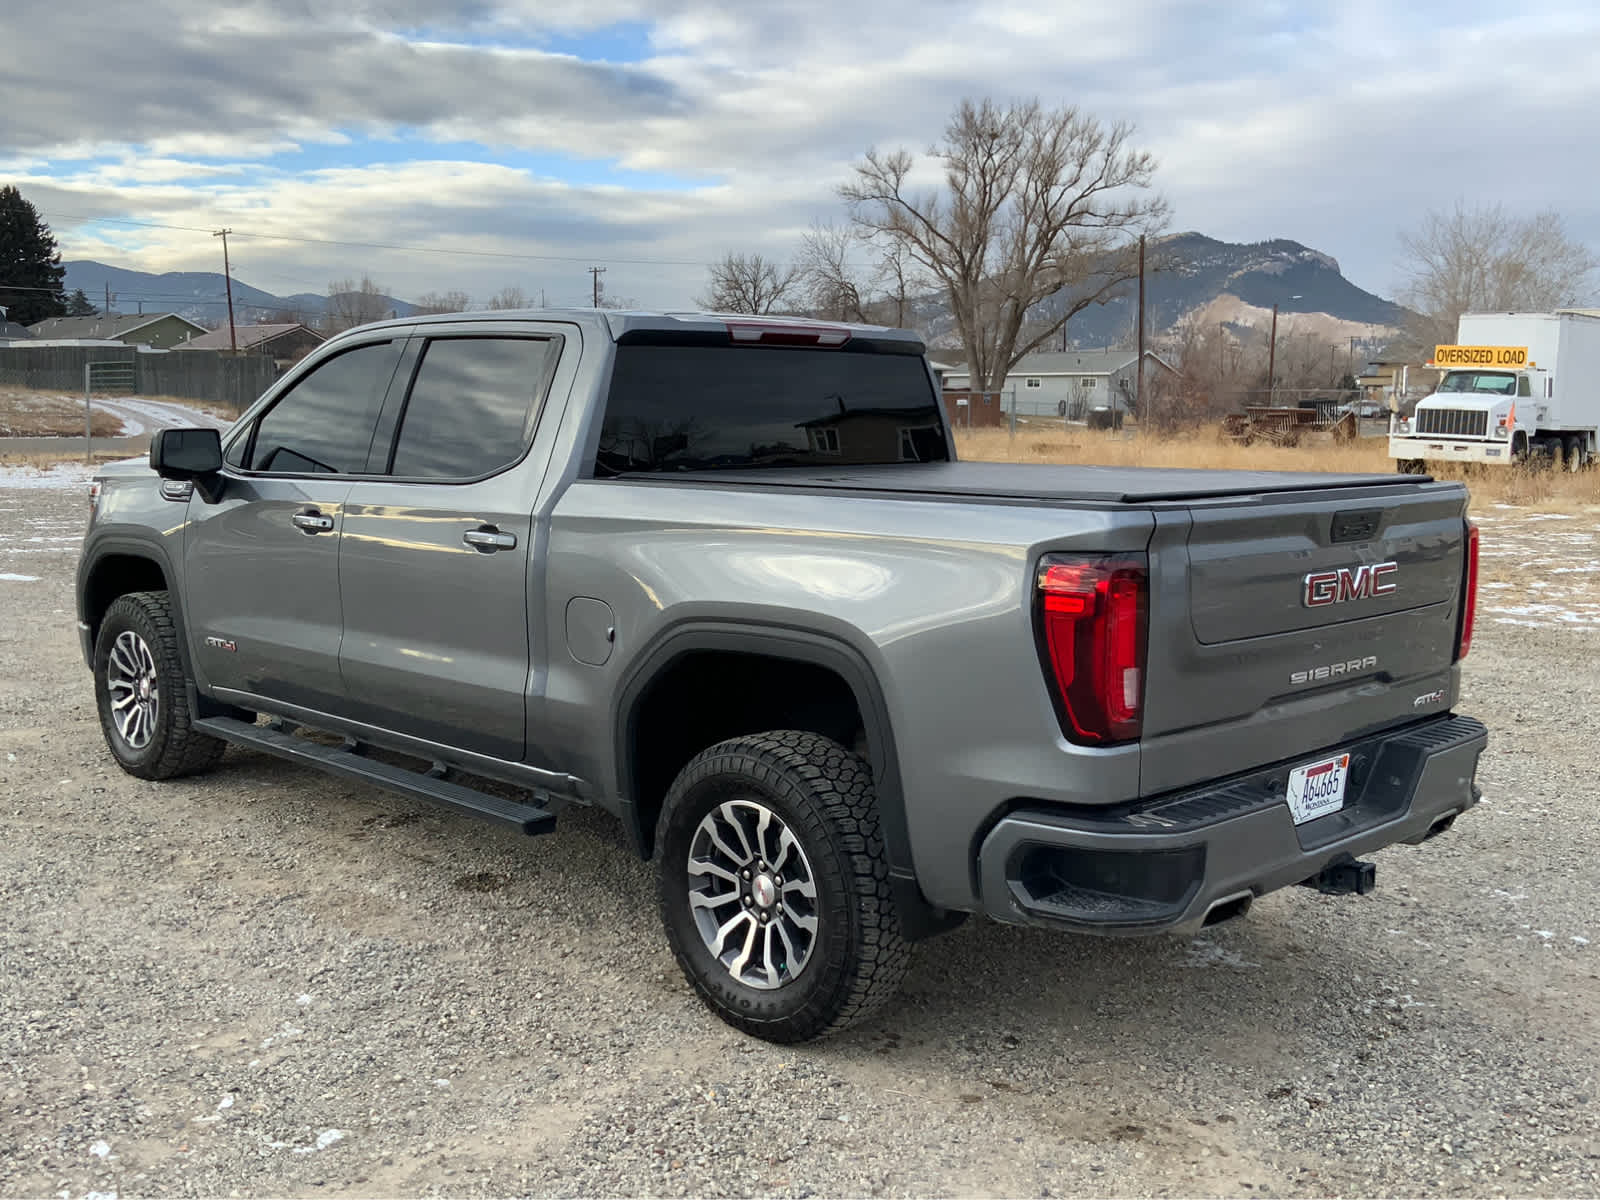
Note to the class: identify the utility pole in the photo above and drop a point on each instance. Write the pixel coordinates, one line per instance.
(227, 280)
(1272, 358)
(596, 272)
(106, 311)
(1138, 387)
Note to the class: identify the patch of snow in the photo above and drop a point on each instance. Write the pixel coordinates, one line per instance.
(62, 475)
(100, 1149)
(324, 1139)
(7, 577)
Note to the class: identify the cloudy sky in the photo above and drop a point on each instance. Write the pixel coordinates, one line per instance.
(485, 143)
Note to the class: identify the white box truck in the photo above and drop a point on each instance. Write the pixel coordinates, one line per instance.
(1516, 387)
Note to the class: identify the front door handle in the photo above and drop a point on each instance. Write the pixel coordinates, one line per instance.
(311, 521)
(489, 539)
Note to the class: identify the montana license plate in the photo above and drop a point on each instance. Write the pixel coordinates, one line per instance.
(1317, 789)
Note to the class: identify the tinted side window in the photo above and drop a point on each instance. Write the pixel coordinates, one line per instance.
(472, 406)
(324, 423)
(687, 407)
(1523, 387)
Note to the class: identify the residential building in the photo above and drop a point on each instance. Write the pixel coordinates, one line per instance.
(1068, 384)
(160, 331)
(286, 343)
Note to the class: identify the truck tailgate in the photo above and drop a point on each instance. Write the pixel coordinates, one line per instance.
(1288, 623)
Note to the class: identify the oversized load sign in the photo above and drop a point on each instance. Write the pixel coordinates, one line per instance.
(1480, 356)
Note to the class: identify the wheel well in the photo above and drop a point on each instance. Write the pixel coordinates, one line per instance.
(117, 575)
(707, 696)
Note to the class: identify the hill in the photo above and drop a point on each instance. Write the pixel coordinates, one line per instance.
(198, 295)
(1189, 274)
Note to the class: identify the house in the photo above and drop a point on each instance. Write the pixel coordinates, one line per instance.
(877, 435)
(160, 331)
(285, 343)
(10, 331)
(1398, 376)
(1069, 384)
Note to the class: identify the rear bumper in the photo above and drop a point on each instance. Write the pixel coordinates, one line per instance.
(1163, 865)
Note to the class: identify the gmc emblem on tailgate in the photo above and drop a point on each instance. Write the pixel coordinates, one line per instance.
(1349, 583)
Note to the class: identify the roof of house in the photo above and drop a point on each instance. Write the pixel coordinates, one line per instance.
(249, 337)
(1075, 362)
(10, 330)
(114, 326)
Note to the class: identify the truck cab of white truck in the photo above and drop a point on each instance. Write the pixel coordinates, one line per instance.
(1518, 387)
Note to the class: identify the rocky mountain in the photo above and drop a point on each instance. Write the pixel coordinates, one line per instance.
(199, 295)
(1189, 274)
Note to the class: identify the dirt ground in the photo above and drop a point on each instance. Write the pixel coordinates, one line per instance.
(268, 982)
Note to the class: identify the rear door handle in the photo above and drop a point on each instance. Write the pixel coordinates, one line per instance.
(312, 521)
(488, 540)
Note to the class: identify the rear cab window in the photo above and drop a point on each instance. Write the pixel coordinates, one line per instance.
(685, 405)
(472, 405)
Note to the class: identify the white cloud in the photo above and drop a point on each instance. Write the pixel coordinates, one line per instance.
(1333, 122)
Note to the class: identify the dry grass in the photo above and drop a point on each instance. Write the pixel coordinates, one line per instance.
(1546, 490)
(43, 414)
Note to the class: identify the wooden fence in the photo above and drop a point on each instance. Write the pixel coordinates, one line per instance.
(211, 375)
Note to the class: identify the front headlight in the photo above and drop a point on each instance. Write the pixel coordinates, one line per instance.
(1405, 424)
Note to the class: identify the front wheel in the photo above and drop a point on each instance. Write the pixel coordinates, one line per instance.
(774, 887)
(141, 691)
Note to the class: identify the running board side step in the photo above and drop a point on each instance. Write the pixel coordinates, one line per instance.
(350, 762)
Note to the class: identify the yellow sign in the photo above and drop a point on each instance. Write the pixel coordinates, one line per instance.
(1480, 356)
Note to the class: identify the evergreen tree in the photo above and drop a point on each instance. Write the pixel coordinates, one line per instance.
(30, 265)
(79, 305)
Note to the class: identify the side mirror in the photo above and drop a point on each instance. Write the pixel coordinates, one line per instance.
(193, 455)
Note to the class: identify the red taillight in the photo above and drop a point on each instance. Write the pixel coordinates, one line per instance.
(1469, 602)
(1092, 619)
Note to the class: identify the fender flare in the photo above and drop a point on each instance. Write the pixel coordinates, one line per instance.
(124, 546)
(918, 918)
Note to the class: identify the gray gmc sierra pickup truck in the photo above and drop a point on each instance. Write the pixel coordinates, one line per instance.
(724, 578)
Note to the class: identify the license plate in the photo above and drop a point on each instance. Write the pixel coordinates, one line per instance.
(1317, 789)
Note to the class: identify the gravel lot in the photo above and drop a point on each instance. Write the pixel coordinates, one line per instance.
(267, 982)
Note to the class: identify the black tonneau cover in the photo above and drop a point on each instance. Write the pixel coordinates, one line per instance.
(1036, 482)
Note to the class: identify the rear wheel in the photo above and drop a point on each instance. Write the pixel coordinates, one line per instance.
(774, 887)
(141, 691)
(1573, 454)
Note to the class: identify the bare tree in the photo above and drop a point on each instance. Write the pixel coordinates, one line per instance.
(442, 302)
(351, 303)
(1484, 259)
(899, 280)
(749, 283)
(832, 289)
(507, 299)
(1034, 202)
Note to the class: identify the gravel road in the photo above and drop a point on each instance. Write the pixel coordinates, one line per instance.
(267, 982)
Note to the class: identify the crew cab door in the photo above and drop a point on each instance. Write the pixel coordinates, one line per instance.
(262, 563)
(436, 557)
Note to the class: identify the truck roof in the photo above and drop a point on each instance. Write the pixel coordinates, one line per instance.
(618, 323)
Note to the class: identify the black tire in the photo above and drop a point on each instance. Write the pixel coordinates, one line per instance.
(166, 744)
(824, 796)
(1572, 454)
